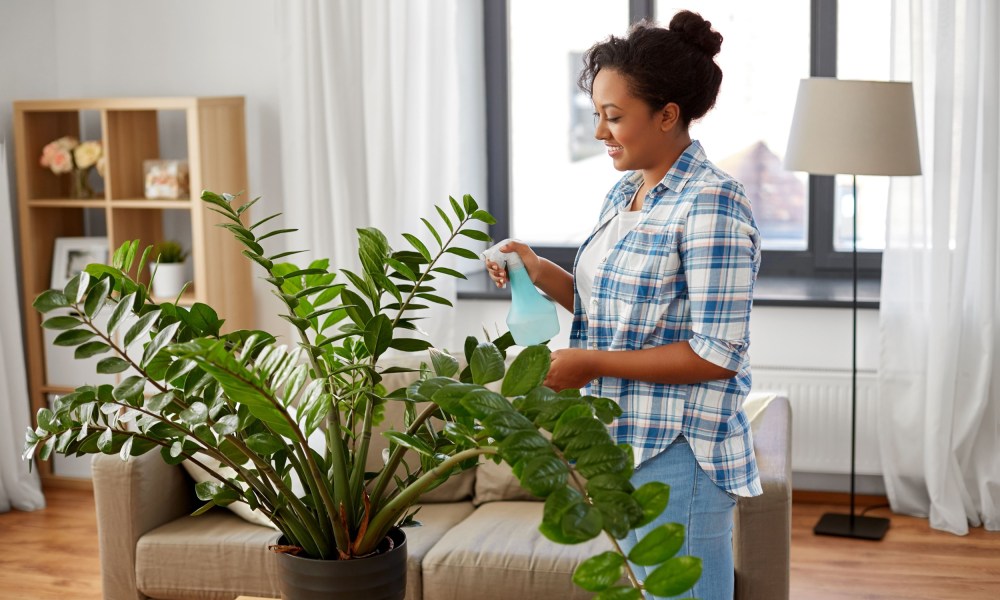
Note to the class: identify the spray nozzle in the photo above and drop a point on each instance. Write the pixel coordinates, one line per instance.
(508, 260)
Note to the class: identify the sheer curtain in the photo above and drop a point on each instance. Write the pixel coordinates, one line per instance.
(940, 366)
(19, 488)
(382, 116)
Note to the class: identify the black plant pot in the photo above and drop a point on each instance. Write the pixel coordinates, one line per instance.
(381, 576)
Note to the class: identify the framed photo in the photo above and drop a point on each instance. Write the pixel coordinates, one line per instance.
(73, 254)
(165, 178)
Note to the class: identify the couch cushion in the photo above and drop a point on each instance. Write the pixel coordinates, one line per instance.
(497, 553)
(497, 482)
(218, 554)
(436, 519)
(223, 556)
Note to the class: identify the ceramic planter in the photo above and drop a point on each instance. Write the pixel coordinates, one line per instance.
(169, 279)
(381, 576)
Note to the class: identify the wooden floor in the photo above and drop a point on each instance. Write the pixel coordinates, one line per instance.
(52, 554)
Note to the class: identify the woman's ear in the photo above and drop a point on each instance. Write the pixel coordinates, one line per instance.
(670, 116)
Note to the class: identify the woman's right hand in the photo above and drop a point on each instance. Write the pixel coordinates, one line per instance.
(531, 263)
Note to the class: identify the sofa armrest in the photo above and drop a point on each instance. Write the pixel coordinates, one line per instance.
(133, 497)
(762, 525)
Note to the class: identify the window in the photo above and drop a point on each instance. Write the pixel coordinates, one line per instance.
(548, 176)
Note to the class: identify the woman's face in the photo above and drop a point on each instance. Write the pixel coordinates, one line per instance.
(635, 136)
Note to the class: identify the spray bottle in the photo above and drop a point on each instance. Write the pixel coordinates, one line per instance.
(532, 319)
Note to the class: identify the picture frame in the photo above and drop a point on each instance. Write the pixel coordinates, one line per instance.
(72, 254)
(165, 179)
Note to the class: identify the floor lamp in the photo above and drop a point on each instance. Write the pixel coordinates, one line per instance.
(853, 128)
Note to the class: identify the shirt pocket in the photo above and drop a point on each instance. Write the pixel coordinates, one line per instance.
(642, 265)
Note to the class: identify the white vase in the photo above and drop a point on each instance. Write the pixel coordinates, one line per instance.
(167, 280)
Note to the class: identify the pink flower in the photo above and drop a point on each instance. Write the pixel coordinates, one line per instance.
(57, 155)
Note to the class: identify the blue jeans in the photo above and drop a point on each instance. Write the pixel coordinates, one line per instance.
(705, 510)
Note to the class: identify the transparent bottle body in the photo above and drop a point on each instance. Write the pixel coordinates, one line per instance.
(532, 318)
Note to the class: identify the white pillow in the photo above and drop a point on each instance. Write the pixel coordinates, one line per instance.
(241, 509)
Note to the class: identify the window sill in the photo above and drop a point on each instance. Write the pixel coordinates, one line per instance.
(800, 292)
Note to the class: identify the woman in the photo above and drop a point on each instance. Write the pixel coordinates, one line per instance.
(662, 288)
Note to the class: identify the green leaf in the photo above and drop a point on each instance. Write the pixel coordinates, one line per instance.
(203, 319)
(609, 482)
(601, 459)
(619, 592)
(142, 327)
(130, 388)
(296, 381)
(433, 232)
(409, 441)
(487, 364)
(542, 475)
(451, 272)
(77, 287)
(378, 334)
(126, 449)
(50, 300)
(61, 323)
(419, 245)
(112, 364)
(522, 445)
(600, 572)
(674, 577)
(527, 371)
(485, 217)
(463, 252)
(123, 307)
(161, 339)
(265, 444)
(502, 424)
(582, 522)
(482, 403)
(470, 204)
(444, 364)
(653, 498)
(449, 398)
(226, 425)
(475, 234)
(357, 309)
(455, 206)
(658, 545)
(444, 217)
(90, 349)
(97, 297)
(47, 420)
(104, 441)
(409, 344)
(402, 269)
(73, 337)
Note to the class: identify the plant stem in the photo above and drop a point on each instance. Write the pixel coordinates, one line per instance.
(385, 518)
(397, 457)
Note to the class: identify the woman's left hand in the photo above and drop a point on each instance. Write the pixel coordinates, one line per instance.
(571, 368)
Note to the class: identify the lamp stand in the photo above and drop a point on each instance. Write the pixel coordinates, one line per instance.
(849, 525)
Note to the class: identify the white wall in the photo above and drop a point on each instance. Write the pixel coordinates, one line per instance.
(70, 49)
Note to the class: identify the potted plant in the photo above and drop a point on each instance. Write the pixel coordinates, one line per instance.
(251, 405)
(166, 272)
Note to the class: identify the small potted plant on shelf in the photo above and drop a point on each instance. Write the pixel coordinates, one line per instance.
(244, 408)
(167, 269)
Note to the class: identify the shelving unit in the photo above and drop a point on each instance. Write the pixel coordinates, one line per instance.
(132, 130)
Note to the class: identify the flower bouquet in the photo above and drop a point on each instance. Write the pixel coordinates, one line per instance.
(69, 155)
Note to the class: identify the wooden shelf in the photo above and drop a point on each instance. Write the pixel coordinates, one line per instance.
(208, 132)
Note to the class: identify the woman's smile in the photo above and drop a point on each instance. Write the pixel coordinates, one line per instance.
(614, 150)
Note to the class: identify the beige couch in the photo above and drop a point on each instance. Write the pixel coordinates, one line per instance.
(479, 536)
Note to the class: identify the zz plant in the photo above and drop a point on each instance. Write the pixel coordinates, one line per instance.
(252, 405)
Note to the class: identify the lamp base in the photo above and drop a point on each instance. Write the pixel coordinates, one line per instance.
(864, 528)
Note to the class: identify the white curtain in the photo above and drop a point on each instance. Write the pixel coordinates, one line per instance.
(382, 116)
(940, 358)
(19, 488)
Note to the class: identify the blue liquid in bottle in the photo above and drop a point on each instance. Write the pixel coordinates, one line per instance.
(532, 318)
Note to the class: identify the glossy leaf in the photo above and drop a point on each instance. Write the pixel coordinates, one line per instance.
(121, 309)
(619, 592)
(142, 327)
(265, 444)
(599, 572)
(487, 364)
(90, 349)
(527, 371)
(73, 337)
(112, 364)
(50, 300)
(162, 338)
(97, 297)
(658, 545)
(543, 474)
(601, 459)
(62, 323)
(653, 498)
(445, 365)
(674, 577)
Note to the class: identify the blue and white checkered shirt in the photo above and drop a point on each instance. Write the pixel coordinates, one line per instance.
(684, 273)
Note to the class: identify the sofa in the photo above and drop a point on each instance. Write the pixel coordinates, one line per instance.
(478, 536)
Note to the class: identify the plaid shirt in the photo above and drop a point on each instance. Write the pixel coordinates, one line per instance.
(684, 273)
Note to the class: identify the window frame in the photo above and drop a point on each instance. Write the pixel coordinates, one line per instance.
(820, 260)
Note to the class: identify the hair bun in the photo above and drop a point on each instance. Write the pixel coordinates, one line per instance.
(695, 30)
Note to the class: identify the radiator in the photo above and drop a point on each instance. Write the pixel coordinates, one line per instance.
(821, 418)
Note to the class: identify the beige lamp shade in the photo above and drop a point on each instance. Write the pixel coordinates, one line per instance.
(853, 128)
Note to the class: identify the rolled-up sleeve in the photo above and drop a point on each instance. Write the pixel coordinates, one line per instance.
(720, 251)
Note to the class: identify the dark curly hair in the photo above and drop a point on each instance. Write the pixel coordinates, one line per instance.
(663, 65)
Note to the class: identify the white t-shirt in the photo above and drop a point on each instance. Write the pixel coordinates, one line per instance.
(598, 249)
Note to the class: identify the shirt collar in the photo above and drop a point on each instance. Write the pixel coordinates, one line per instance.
(681, 171)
